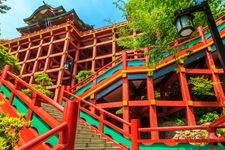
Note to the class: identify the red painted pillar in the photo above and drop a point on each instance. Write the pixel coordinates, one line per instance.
(93, 96)
(134, 134)
(70, 116)
(152, 108)
(61, 94)
(200, 31)
(218, 89)
(101, 125)
(124, 60)
(186, 96)
(125, 89)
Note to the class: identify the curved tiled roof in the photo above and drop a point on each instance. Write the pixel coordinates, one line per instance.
(22, 28)
(45, 6)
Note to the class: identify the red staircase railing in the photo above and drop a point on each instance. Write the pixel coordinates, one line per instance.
(66, 128)
(94, 76)
(135, 130)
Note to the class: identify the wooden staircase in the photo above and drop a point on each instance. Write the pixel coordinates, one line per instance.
(86, 139)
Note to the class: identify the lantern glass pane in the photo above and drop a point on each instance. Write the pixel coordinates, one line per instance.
(66, 66)
(186, 32)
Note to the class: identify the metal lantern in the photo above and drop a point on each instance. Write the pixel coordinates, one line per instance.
(67, 65)
(184, 24)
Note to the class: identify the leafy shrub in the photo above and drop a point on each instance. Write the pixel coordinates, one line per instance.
(209, 117)
(83, 74)
(201, 86)
(41, 82)
(180, 122)
(9, 130)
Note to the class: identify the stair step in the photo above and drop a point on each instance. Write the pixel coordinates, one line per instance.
(86, 136)
(89, 140)
(84, 132)
(101, 144)
(86, 139)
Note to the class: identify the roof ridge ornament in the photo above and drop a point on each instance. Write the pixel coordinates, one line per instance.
(44, 3)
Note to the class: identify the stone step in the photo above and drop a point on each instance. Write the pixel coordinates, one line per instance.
(84, 132)
(87, 136)
(101, 144)
(89, 140)
(86, 139)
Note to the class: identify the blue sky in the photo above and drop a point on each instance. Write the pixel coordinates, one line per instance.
(92, 12)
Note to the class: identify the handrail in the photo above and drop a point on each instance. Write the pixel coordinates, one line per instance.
(101, 112)
(38, 93)
(43, 137)
(95, 75)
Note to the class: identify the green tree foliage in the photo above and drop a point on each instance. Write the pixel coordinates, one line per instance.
(201, 86)
(42, 80)
(3, 8)
(8, 59)
(153, 19)
(83, 74)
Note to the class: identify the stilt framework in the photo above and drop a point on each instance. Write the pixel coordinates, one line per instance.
(47, 51)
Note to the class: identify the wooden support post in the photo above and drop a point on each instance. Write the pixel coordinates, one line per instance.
(4, 72)
(61, 94)
(25, 58)
(113, 44)
(70, 116)
(36, 62)
(101, 124)
(218, 89)
(186, 96)
(125, 90)
(152, 108)
(63, 59)
(94, 53)
(134, 134)
(75, 69)
(200, 31)
(47, 62)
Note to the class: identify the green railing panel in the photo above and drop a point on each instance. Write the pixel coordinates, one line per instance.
(117, 137)
(63, 103)
(199, 40)
(89, 119)
(177, 147)
(191, 43)
(108, 73)
(42, 128)
(219, 146)
(83, 89)
(21, 107)
(135, 63)
(221, 27)
(6, 92)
